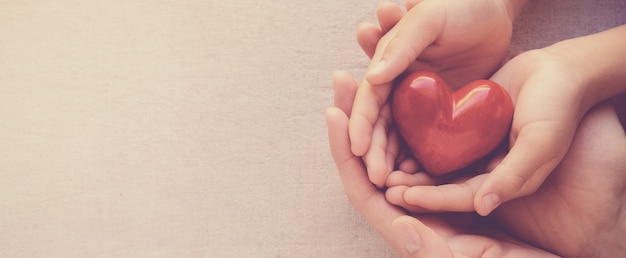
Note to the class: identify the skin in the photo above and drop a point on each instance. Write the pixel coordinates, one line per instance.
(437, 238)
(576, 213)
(573, 211)
(461, 41)
(552, 90)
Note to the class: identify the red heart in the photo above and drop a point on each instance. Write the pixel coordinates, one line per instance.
(447, 131)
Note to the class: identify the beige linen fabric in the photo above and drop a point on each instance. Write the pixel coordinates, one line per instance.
(191, 128)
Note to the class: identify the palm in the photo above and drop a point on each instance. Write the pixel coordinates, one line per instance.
(579, 198)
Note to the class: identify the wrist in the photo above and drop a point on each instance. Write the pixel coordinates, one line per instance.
(565, 56)
(596, 63)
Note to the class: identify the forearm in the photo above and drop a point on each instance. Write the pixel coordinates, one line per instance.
(599, 62)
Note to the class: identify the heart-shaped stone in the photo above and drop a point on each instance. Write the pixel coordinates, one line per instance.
(446, 130)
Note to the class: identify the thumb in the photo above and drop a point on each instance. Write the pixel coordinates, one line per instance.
(401, 46)
(415, 239)
(535, 153)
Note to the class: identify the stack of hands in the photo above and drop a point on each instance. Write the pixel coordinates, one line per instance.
(557, 190)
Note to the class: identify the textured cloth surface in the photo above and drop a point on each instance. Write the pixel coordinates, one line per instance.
(192, 128)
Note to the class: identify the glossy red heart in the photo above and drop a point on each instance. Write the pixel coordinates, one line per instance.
(446, 130)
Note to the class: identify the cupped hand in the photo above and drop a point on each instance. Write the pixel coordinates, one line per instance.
(462, 41)
(422, 236)
(553, 88)
(577, 212)
(549, 104)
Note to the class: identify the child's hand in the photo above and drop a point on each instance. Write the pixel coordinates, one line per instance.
(547, 112)
(552, 89)
(549, 103)
(576, 212)
(462, 41)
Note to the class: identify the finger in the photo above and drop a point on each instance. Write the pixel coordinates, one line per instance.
(393, 148)
(389, 14)
(403, 44)
(368, 35)
(365, 198)
(537, 150)
(448, 197)
(344, 87)
(411, 3)
(394, 195)
(380, 157)
(351, 170)
(438, 236)
(418, 239)
(409, 165)
(398, 178)
(398, 182)
(347, 164)
(368, 102)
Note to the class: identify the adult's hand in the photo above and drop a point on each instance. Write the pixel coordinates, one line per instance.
(579, 209)
(423, 236)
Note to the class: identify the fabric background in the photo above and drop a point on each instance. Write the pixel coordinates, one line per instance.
(192, 128)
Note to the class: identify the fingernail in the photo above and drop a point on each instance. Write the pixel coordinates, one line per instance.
(412, 239)
(490, 202)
